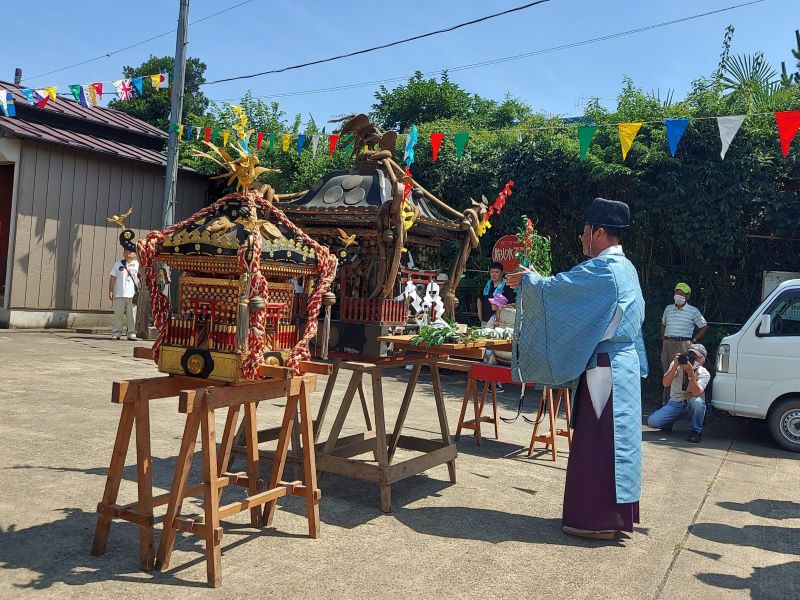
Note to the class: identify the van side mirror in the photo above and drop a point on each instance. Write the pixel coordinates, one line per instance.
(765, 327)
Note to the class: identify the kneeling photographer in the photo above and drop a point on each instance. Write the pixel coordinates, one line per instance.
(686, 379)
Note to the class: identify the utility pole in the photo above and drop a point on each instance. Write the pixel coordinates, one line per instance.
(171, 176)
(176, 109)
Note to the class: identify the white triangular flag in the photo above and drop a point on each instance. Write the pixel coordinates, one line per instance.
(314, 144)
(728, 127)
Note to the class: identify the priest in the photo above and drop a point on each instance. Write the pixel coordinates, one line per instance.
(583, 328)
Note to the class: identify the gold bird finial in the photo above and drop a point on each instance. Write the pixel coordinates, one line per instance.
(120, 219)
(346, 239)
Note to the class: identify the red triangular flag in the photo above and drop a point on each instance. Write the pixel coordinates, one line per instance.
(208, 134)
(788, 124)
(259, 140)
(332, 139)
(436, 143)
(98, 87)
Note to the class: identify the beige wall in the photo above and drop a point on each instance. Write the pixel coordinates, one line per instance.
(64, 247)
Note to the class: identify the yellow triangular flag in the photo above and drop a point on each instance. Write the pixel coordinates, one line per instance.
(52, 92)
(155, 80)
(225, 135)
(180, 131)
(627, 132)
(92, 94)
(285, 142)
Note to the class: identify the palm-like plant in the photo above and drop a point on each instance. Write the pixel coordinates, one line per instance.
(750, 79)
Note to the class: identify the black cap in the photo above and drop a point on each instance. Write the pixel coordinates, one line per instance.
(127, 239)
(608, 213)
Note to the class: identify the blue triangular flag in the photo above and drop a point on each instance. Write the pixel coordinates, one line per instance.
(137, 83)
(7, 104)
(28, 93)
(301, 139)
(675, 131)
(411, 141)
(188, 132)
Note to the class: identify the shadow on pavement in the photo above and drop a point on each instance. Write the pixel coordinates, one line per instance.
(492, 526)
(778, 582)
(769, 509)
(58, 552)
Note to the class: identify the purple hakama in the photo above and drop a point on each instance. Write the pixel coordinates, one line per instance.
(590, 493)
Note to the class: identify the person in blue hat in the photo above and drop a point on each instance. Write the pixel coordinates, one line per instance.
(584, 328)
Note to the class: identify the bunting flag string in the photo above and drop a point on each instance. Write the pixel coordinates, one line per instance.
(90, 94)
(788, 124)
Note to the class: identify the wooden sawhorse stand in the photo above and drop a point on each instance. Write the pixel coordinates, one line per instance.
(338, 454)
(199, 407)
(546, 404)
(135, 396)
(198, 399)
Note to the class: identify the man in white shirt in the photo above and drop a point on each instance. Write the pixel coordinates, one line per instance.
(123, 285)
(686, 380)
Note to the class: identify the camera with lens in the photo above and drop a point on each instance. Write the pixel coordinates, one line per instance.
(687, 358)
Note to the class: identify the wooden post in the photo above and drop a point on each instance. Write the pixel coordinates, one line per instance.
(212, 530)
(113, 478)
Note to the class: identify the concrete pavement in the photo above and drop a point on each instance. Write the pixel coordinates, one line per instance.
(719, 520)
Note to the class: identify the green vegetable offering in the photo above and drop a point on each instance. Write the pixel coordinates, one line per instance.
(536, 252)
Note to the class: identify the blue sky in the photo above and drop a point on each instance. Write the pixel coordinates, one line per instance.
(261, 35)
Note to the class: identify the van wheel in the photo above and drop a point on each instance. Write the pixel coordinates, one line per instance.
(784, 424)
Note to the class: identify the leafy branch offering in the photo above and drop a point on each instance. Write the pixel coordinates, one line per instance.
(536, 251)
(449, 334)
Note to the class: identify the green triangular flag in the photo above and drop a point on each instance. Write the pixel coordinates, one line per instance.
(461, 143)
(272, 138)
(585, 135)
(351, 140)
(214, 134)
(76, 92)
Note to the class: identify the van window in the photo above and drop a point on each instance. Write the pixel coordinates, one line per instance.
(785, 314)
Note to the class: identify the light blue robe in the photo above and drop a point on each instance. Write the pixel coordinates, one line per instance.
(560, 323)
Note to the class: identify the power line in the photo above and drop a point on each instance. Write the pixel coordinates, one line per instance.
(506, 58)
(150, 39)
(383, 46)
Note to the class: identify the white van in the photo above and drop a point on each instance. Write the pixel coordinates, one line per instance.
(758, 368)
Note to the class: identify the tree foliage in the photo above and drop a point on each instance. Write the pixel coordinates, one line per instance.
(154, 105)
(427, 100)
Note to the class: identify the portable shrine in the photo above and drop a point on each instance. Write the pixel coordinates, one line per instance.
(239, 260)
(385, 230)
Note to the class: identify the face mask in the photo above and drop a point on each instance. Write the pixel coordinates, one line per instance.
(680, 300)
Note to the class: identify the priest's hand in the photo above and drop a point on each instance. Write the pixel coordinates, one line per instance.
(514, 279)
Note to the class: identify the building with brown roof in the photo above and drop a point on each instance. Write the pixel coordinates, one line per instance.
(64, 169)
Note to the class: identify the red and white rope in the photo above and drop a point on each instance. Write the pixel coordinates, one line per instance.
(256, 339)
